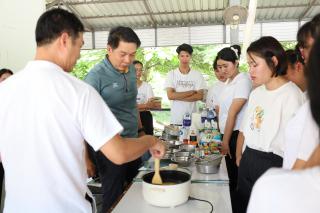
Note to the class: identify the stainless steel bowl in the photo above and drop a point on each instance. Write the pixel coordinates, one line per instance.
(182, 154)
(183, 161)
(172, 130)
(174, 142)
(188, 147)
(209, 165)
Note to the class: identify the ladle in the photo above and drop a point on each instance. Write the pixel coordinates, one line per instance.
(156, 179)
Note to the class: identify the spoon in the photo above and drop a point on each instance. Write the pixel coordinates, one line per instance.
(156, 179)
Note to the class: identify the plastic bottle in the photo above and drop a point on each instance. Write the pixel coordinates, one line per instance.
(204, 115)
(183, 135)
(193, 136)
(211, 115)
(186, 120)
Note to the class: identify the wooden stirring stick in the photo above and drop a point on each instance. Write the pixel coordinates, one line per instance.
(156, 179)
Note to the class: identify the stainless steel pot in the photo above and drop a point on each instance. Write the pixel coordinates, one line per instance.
(172, 130)
(209, 165)
(167, 195)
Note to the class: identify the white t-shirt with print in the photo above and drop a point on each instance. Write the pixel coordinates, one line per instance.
(214, 93)
(144, 93)
(46, 114)
(301, 137)
(182, 83)
(280, 191)
(239, 87)
(267, 115)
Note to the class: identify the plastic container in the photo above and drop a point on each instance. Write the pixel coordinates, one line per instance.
(186, 120)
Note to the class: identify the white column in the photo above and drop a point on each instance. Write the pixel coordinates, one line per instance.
(17, 31)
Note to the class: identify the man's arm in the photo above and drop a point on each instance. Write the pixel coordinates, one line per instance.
(197, 96)
(91, 169)
(121, 150)
(180, 96)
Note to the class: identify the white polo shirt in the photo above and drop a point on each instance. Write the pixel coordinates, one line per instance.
(182, 83)
(301, 137)
(46, 114)
(267, 115)
(280, 191)
(239, 87)
(214, 94)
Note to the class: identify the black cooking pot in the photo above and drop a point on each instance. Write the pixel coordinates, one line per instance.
(169, 176)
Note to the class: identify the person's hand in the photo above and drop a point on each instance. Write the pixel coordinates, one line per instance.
(238, 159)
(225, 149)
(158, 149)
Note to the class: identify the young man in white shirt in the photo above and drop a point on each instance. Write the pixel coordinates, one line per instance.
(46, 114)
(184, 86)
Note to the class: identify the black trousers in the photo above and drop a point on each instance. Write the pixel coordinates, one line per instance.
(113, 178)
(147, 122)
(252, 165)
(1, 179)
(232, 169)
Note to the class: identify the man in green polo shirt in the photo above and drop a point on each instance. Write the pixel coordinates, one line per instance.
(115, 80)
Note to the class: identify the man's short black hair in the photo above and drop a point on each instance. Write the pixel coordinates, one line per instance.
(125, 34)
(184, 47)
(5, 70)
(137, 62)
(53, 23)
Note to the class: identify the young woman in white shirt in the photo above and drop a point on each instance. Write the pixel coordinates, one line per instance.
(302, 134)
(270, 106)
(214, 92)
(145, 100)
(296, 191)
(231, 107)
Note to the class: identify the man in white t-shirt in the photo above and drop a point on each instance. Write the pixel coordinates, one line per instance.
(46, 114)
(279, 191)
(184, 86)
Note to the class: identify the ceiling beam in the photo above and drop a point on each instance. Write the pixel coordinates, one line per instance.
(147, 14)
(87, 26)
(311, 3)
(190, 11)
(100, 2)
(147, 6)
(53, 4)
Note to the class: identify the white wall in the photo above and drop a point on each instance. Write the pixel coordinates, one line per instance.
(17, 26)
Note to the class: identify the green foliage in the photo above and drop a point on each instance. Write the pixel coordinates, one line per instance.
(88, 59)
(288, 45)
(162, 117)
